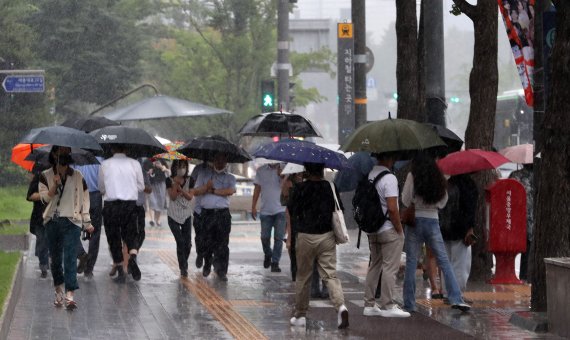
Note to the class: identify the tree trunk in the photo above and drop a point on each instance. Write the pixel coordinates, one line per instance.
(483, 87)
(552, 231)
(407, 71)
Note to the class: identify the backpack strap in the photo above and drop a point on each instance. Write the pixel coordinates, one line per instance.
(374, 181)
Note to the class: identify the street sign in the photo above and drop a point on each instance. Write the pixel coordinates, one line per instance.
(345, 75)
(24, 83)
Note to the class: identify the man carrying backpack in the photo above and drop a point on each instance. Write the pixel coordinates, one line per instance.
(386, 243)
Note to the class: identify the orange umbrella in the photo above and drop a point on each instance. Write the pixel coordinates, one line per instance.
(21, 151)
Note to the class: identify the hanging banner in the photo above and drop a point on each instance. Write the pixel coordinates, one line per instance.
(345, 74)
(518, 16)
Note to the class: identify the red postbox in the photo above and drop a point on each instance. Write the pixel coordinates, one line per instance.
(506, 224)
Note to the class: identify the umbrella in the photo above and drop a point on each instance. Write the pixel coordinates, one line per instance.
(172, 154)
(79, 156)
(292, 168)
(453, 141)
(360, 165)
(20, 152)
(205, 148)
(389, 135)
(522, 153)
(62, 136)
(162, 107)
(138, 142)
(472, 160)
(88, 124)
(299, 152)
(278, 124)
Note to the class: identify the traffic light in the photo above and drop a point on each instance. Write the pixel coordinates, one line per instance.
(267, 95)
(454, 99)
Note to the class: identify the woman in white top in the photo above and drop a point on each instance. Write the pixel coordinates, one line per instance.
(426, 188)
(179, 212)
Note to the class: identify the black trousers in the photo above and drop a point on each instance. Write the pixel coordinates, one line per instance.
(198, 234)
(216, 225)
(120, 224)
(140, 212)
(183, 236)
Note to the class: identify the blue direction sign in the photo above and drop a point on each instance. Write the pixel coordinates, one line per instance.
(24, 83)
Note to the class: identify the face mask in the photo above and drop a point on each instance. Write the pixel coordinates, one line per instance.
(220, 171)
(181, 172)
(64, 160)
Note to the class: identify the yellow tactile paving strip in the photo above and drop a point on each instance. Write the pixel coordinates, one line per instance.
(221, 309)
(503, 295)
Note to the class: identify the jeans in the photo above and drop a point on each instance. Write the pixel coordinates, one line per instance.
(42, 246)
(427, 231)
(268, 222)
(63, 236)
(183, 236)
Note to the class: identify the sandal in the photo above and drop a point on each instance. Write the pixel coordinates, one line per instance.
(69, 303)
(58, 302)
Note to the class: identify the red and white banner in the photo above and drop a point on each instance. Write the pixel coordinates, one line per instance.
(518, 16)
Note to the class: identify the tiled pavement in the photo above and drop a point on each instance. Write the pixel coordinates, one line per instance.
(255, 303)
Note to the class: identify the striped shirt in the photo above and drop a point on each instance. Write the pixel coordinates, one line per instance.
(179, 209)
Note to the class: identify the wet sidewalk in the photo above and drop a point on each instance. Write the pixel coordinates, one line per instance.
(253, 304)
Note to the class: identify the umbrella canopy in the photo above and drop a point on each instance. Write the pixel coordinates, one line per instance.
(20, 152)
(292, 168)
(453, 141)
(299, 152)
(62, 136)
(162, 107)
(360, 165)
(472, 160)
(391, 135)
(79, 156)
(279, 124)
(172, 154)
(88, 124)
(205, 148)
(522, 153)
(138, 142)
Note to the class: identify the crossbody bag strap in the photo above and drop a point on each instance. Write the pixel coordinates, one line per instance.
(337, 206)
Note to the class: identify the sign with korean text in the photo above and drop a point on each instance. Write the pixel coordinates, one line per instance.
(345, 57)
(507, 216)
(24, 83)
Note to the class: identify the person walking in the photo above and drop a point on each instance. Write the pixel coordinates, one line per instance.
(425, 187)
(287, 186)
(36, 219)
(157, 198)
(385, 245)
(525, 177)
(199, 170)
(140, 207)
(179, 212)
(120, 181)
(313, 203)
(216, 185)
(267, 185)
(65, 216)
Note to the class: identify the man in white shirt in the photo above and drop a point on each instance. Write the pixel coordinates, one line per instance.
(120, 181)
(385, 245)
(267, 184)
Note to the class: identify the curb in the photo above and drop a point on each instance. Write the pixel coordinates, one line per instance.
(10, 304)
(531, 321)
(15, 242)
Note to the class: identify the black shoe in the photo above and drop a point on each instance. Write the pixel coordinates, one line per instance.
(134, 268)
(82, 263)
(113, 270)
(206, 271)
(199, 261)
(275, 268)
(121, 276)
(43, 275)
(88, 274)
(184, 273)
(223, 277)
(267, 262)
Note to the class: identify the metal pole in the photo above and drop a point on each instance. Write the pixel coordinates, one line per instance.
(283, 66)
(434, 62)
(156, 93)
(359, 22)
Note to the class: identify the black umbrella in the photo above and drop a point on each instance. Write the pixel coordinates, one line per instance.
(138, 142)
(453, 141)
(88, 124)
(279, 124)
(79, 156)
(205, 148)
(360, 165)
(62, 136)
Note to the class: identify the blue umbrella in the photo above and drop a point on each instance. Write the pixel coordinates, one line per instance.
(300, 152)
(360, 165)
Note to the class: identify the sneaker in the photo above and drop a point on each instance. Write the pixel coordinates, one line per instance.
(461, 306)
(121, 276)
(342, 317)
(199, 261)
(267, 262)
(134, 268)
(43, 275)
(223, 277)
(372, 311)
(300, 321)
(394, 312)
(275, 268)
(82, 263)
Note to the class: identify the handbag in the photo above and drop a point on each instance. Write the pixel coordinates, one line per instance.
(408, 215)
(338, 223)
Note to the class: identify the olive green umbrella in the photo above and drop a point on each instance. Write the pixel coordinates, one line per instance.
(391, 135)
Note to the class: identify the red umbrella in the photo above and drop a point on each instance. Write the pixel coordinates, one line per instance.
(21, 151)
(472, 160)
(523, 153)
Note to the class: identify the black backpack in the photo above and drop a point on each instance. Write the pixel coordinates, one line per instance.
(368, 212)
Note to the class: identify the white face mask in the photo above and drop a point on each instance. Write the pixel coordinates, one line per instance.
(220, 171)
(181, 172)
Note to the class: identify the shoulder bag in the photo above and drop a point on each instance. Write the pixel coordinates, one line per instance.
(338, 223)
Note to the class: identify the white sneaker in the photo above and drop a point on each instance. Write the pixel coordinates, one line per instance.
(301, 321)
(372, 311)
(342, 317)
(394, 312)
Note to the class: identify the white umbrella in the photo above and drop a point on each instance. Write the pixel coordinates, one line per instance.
(162, 140)
(292, 168)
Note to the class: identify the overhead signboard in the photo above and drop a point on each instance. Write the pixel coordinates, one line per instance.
(24, 83)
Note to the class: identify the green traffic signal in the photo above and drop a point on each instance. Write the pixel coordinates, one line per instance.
(454, 99)
(268, 100)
